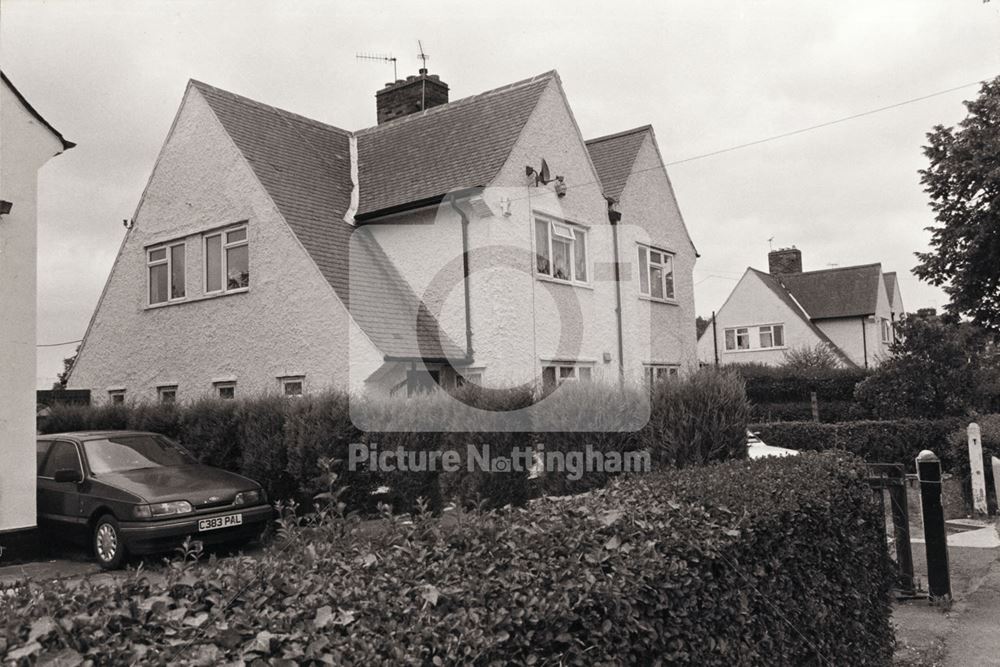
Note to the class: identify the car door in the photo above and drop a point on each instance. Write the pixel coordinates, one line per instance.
(59, 502)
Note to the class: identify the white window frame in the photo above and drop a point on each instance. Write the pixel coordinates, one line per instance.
(736, 339)
(115, 394)
(219, 386)
(770, 330)
(224, 258)
(886, 330)
(167, 261)
(286, 380)
(648, 293)
(569, 371)
(654, 372)
(163, 389)
(574, 229)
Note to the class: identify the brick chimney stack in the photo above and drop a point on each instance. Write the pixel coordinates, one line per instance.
(784, 260)
(410, 95)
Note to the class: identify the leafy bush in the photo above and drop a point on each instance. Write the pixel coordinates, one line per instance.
(830, 411)
(804, 359)
(767, 562)
(697, 419)
(896, 441)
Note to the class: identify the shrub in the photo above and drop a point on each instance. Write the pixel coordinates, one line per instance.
(210, 429)
(697, 419)
(804, 359)
(896, 441)
(776, 384)
(768, 562)
(830, 411)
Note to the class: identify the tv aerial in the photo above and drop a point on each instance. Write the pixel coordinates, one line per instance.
(380, 57)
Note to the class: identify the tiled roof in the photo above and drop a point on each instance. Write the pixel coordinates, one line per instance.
(850, 291)
(304, 166)
(454, 146)
(613, 157)
(772, 283)
(890, 287)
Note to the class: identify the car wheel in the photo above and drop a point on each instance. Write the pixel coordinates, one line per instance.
(108, 545)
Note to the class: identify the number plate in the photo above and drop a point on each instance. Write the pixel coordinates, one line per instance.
(217, 522)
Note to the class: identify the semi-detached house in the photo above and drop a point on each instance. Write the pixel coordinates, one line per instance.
(477, 240)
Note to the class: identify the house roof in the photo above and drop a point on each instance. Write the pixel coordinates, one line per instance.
(66, 144)
(779, 290)
(850, 291)
(454, 146)
(613, 156)
(890, 287)
(304, 166)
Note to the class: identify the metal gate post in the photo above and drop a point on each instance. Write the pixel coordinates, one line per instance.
(938, 577)
(901, 530)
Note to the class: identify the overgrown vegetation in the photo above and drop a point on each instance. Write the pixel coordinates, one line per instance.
(701, 566)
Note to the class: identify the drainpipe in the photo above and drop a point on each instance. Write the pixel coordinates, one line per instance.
(715, 339)
(864, 337)
(465, 276)
(615, 217)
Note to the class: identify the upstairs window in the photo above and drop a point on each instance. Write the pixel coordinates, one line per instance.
(560, 250)
(886, 331)
(772, 335)
(656, 273)
(738, 338)
(166, 271)
(227, 261)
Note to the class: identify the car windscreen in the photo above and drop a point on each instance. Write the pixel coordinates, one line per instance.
(132, 452)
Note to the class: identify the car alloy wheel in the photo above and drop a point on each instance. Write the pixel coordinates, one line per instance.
(107, 542)
(108, 546)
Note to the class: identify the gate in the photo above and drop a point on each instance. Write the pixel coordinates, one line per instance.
(891, 478)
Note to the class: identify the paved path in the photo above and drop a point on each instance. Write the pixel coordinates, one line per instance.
(975, 639)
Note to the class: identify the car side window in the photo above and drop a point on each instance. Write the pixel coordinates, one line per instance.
(62, 456)
(43, 449)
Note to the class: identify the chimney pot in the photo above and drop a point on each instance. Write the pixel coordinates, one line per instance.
(784, 260)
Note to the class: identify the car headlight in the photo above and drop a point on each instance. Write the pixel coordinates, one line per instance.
(166, 509)
(248, 498)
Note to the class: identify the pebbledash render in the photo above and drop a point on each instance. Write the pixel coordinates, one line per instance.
(471, 241)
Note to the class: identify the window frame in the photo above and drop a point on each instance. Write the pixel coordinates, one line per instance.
(163, 389)
(651, 372)
(115, 394)
(168, 261)
(886, 330)
(285, 380)
(736, 339)
(574, 366)
(579, 233)
(217, 387)
(771, 329)
(224, 246)
(647, 262)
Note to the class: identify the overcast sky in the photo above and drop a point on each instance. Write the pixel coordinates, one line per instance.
(706, 75)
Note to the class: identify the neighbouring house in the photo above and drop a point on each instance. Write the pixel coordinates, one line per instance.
(478, 240)
(27, 142)
(851, 309)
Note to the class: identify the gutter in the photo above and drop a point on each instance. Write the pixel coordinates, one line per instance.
(864, 337)
(465, 275)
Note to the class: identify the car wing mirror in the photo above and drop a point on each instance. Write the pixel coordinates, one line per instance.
(68, 475)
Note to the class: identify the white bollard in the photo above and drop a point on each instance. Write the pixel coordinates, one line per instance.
(996, 476)
(978, 474)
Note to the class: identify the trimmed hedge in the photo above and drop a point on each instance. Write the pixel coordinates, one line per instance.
(774, 384)
(279, 442)
(830, 411)
(895, 441)
(766, 562)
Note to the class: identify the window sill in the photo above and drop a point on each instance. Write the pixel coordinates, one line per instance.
(196, 299)
(756, 349)
(653, 299)
(568, 283)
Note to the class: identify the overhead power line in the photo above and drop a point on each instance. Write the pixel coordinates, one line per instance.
(69, 342)
(825, 124)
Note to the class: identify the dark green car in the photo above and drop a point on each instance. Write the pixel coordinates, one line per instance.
(124, 492)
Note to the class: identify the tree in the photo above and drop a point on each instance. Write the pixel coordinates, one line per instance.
(963, 183)
(936, 368)
(701, 325)
(63, 378)
(805, 359)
